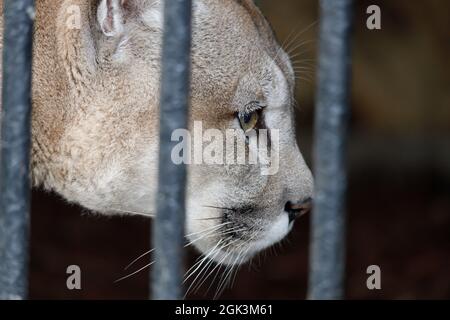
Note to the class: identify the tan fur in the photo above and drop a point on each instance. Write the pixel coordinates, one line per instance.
(95, 112)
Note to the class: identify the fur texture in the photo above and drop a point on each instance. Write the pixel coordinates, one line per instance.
(95, 115)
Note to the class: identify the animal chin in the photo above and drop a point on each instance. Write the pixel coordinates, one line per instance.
(278, 230)
(243, 253)
(233, 251)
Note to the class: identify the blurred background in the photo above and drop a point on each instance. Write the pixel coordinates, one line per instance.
(399, 183)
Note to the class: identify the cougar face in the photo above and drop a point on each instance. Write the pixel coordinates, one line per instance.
(95, 117)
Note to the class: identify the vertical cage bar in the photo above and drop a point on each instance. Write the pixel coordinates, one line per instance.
(168, 230)
(15, 148)
(327, 263)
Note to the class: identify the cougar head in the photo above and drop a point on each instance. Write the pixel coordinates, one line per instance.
(242, 86)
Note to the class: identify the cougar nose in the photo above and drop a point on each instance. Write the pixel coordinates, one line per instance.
(297, 209)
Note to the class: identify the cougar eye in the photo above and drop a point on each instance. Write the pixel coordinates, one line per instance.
(248, 120)
(251, 115)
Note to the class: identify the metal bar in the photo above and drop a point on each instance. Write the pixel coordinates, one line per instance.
(168, 228)
(15, 148)
(327, 263)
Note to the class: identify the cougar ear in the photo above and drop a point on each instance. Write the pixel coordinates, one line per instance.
(111, 17)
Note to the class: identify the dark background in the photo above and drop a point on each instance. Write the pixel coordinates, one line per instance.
(399, 175)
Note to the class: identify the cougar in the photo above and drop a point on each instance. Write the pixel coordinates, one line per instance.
(95, 118)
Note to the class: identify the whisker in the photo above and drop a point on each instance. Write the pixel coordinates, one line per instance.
(310, 81)
(207, 229)
(292, 41)
(139, 258)
(217, 265)
(197, 262)
(204, 272)
(225, 280)
(216, 207)
(225, 246)
(303, 64)
(216, 251)
(204, 236)
(304, 71)
(299, 45)
(310, 62)
(228, 254)
(233, 231)
(288, 42)
(134, 273)
(237, 269)
(200, 262)
(212, 218)
(305, 76)
(304, 67)
(235, 272)
(143, 214)
(299, 56)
